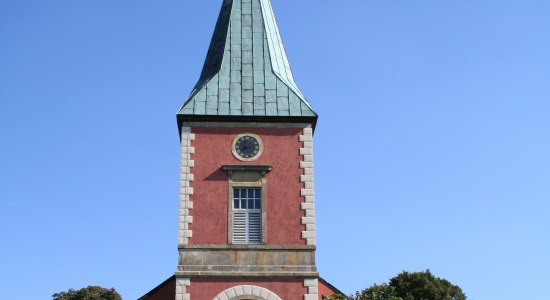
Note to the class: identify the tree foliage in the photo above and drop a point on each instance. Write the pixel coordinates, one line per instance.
(410, 286)
(424, 286)
(377, 292)
(88, 293)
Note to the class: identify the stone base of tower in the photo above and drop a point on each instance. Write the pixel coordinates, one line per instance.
(248, 261)
(212, 288)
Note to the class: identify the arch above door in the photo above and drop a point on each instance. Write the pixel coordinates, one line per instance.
(247, 292)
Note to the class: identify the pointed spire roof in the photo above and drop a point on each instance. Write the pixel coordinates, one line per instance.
(246, 75)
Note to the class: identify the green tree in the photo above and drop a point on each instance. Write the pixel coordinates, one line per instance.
(409, 286)
(334, 297)
(376, 292)
(88, 293)
(425, 286)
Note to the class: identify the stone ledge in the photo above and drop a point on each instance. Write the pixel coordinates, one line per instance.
(212, 247)
(247, 269)
(246, 274)
(246, 125)
(250, 262)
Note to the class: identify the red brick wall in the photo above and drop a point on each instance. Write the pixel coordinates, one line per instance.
(325, 290)
(207, 289)
(213, 150)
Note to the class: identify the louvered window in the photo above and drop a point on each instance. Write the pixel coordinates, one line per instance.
(247, 216)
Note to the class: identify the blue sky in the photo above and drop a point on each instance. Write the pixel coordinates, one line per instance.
(432, 147)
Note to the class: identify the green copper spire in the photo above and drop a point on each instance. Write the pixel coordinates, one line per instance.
(246, 73)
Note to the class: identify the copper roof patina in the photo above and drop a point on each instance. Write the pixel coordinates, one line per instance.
(246, 73)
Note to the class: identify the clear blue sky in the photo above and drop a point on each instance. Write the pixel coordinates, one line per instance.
(432, 148)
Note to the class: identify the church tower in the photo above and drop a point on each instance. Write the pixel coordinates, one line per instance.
(247, 205)
(247, 216)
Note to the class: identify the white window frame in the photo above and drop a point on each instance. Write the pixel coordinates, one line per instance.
(247, 221)
(247, 179)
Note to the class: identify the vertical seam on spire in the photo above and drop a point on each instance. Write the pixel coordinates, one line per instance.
(252, 53)
(252, 5)
(242, 64)
(263, 59)
(218, 97)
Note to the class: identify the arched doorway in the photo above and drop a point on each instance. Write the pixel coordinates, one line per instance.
(247, 292)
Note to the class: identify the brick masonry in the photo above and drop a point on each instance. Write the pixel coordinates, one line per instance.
(247, 290)
(308, 206)
(186, 177)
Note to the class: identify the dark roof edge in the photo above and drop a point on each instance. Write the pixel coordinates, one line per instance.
(332, 287)
(158, 287)
(247, 119)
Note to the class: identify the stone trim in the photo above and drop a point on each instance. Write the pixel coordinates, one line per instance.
(259, 275)
(214, 247)
(246, 124)
(181, 288)
(246, 262)
(186, 176)
(240, 291)
(312, 285)
(308, 206)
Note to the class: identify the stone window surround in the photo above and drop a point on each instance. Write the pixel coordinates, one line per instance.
(246, 177)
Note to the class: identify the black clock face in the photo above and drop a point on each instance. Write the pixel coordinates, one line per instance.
(247, 146)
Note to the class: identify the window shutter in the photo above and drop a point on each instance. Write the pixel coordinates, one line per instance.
(255, 227)
(247, 227)
(239, 227)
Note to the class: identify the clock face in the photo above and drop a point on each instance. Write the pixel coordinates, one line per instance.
(247, 146)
